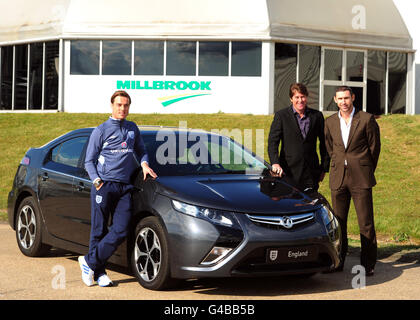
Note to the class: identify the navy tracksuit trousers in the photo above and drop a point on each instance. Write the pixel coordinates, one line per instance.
(112, 199)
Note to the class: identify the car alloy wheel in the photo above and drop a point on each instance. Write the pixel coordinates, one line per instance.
(26, 227)
(147, 253)
(150, 255)
(29, 229)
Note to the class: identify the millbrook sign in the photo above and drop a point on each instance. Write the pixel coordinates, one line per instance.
(202, 88)
(163, 85)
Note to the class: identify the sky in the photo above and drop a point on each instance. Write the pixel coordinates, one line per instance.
(409, 10)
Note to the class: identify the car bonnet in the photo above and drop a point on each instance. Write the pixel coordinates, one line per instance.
(237, 193)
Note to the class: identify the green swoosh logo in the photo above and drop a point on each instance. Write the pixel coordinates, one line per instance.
(171, 101)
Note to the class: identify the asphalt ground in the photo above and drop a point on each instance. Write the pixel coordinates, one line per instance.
(58, 277)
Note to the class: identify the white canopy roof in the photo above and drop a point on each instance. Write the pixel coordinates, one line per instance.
(355, 23)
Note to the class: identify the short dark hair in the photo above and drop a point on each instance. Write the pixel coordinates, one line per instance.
(120, 93)
(299, 87)
(344, 88)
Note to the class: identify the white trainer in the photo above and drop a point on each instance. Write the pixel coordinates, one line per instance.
(87, 272)
(104, 281)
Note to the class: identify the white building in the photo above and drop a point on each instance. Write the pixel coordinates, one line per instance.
(203, 56)
(409, 11)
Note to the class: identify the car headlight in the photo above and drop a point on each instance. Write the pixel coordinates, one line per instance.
(332, 226)
(230, 232)
(327, 216)
(216, 216)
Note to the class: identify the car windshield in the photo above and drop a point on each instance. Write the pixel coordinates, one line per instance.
(173, 153)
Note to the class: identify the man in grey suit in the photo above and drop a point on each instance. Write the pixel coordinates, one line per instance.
(298, 128)
(353, 143)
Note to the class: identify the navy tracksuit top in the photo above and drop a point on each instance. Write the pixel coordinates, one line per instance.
(114, 151)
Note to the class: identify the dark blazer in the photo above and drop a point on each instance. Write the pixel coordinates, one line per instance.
(362, 152)
(297, 153)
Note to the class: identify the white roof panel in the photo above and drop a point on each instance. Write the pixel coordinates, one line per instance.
(364, 23)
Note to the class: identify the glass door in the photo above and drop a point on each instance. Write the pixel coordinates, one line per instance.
(342, 67)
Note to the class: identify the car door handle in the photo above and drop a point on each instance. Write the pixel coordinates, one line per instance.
(45, 176)
(80, 187)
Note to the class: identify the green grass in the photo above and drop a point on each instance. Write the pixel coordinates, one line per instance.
(396, 196)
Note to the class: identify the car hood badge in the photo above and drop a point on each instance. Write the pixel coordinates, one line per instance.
(286, 222)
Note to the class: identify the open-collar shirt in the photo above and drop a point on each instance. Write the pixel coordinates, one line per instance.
(345, 127)
(302, 122)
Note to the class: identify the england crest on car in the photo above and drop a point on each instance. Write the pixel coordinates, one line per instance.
(273, 255)
(98, 199)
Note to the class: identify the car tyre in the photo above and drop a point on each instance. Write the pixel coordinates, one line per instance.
(29, 229)
(150, 255)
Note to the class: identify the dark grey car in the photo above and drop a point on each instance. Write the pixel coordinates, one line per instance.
(213, 211)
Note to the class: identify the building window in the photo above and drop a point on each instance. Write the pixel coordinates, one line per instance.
(376, 82)
(116, 57)
(84, 57)
(213, 58)
(148, 57)
(397, 75)
(21, 76)
(355, 65)
(246, 59)
(333, 62)
(309, 71)
(285, 73)
(52, 64)
(6, 77)
(343, 67)
(35, 75)
(177, 58)
(329, 94)
(181, 58)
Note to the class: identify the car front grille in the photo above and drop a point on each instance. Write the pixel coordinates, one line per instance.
(281, 221)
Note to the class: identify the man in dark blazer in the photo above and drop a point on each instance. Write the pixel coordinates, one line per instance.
(353, 142)
(298, 128)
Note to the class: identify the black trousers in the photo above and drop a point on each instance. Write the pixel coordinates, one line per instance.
(308, 180)
(363, 203)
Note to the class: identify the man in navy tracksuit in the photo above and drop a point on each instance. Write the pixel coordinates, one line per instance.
(110, 163)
